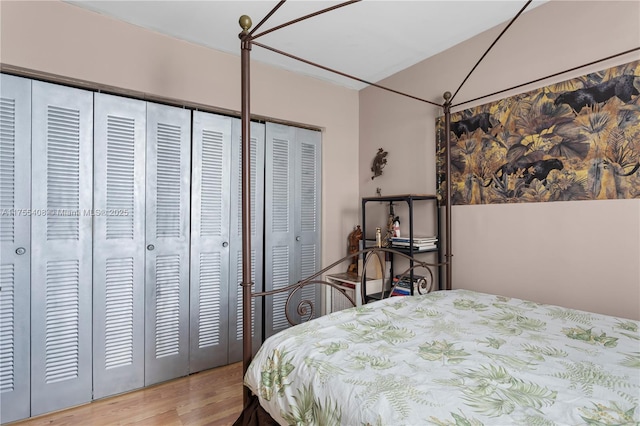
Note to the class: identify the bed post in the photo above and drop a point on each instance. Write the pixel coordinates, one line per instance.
(447, 206)
(245, 56)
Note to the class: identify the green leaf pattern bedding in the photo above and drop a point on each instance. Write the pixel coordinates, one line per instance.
(452, 358)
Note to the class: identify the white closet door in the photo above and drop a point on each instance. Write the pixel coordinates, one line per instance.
(280, 270)
(167, 243)
(62, 160)
(15, 247)
(118, 244)
(308, 193)
(257, 239)
(211, 165)
(292, 220)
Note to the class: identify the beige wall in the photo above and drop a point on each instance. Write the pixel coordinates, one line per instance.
(68, 42)
(581, 254)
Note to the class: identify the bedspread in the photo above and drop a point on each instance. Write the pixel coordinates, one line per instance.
(452, 358)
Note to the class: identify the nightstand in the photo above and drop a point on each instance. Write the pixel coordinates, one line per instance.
(351, 285)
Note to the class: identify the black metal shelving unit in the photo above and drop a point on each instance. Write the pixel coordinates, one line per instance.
(410, 251)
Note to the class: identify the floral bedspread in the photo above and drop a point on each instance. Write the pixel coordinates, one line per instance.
(452, 358)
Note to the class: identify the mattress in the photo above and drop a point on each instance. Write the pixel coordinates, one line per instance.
(452, 358)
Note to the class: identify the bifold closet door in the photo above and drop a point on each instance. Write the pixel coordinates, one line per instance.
(210, 207)
(292, 220)
(118, 244)
(61, 203)
(257, 237)
(309, 178)
(216, 238)
(15, 247)
(167, 243)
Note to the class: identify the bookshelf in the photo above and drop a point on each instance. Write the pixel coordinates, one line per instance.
(412, 244)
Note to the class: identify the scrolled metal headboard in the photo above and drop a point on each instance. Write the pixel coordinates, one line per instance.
(306, 308)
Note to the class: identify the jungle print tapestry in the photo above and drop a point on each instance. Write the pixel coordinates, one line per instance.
(575, 140)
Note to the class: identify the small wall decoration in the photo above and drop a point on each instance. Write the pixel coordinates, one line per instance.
(379, 161)
(574, 140)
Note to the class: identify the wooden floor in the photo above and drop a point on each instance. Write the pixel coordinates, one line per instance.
(212, 397)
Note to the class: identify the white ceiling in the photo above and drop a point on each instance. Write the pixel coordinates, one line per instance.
(370, 39)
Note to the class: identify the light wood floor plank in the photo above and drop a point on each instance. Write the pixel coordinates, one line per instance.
(212, 397)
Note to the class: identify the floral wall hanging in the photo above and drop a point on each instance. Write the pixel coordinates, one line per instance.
(574, 140)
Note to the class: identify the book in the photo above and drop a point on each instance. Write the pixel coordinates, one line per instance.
(402, 287)
(417, 244)
(407, 244)
(416, 240)
(416, 277)
(425, 247)
(400, 292)
(416, 237)
(415, 249)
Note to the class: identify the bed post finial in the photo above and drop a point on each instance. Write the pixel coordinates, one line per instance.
(447, 96)
(245, 23)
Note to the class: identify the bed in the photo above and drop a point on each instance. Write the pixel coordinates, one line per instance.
(450, 357)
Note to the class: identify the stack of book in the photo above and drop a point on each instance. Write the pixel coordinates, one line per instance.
(419, 243)
(402, 287)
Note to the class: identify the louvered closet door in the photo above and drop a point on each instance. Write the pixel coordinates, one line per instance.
(280, 268)
(257, 240)
(211, 165)
(15, 247)
(118, 244)
(62, 159)
(167, 243)
(308, 192)
(292, 219)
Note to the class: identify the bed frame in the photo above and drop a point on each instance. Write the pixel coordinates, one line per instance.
(305, 308)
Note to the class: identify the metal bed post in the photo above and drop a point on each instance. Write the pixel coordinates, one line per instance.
(447, 206)
(247, 284)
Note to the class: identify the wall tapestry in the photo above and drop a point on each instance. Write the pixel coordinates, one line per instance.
(574, 140)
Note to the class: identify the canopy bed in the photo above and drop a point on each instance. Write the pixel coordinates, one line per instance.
(447, 357)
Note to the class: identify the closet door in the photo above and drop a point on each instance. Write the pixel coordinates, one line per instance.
(15, 247)
(118, 244)
(257, 239)
(167, 243)
(61, 202)
(308, 192)
(292, 221)
(211, 166)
